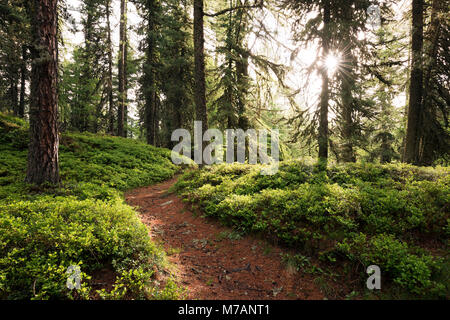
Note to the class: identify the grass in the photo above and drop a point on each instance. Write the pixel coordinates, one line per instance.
(84, 222)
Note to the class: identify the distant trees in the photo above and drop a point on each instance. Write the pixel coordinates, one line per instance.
(227, 85)
(150, 10)
(14, 55)
(43, 164)
(324, 35)
(86, 79)
(232, 31)
(356, 111)
(95, 81)
(176, 72)
(384, 136)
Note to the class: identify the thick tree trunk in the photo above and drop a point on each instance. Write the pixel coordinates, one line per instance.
(325, 95)
(199, 56)
(44, 145)
(416, 85)
(428, 135)
(122, 44)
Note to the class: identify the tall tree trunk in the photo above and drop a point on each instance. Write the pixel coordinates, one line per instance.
(199, 57)
(228, 94)
(149, 75)
(428, 136)
(87, 73)
(348, 154)
(110, 69)
(122, 45)
(23, 77)
(347, 87)
(325, 95)
(416, 85)
(43, 151)
(242, 75)
(125, 87)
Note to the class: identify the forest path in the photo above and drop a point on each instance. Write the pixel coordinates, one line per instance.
(213, 262)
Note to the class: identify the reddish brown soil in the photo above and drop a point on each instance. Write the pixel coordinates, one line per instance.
(209, 264)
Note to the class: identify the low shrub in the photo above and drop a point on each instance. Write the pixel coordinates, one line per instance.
(320, 211)
(83, 222)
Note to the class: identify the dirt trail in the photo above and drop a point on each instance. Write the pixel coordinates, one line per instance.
(212, 262)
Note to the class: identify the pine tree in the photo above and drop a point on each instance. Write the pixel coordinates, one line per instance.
(199, 60)
(175, 77)
(150, 9)
(123, 43)
(43, 163)
(416, 84)
(14, 42)
(110, 69)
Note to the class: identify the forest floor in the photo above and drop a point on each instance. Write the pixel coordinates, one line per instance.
(211, 261)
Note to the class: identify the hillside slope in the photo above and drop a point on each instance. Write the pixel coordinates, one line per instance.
(84, 222)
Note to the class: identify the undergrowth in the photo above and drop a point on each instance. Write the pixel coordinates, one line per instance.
(394, 216)
(83, 222)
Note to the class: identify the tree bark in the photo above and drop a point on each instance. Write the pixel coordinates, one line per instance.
(347, 87)
(122, 44)
(416, 85)
(125, 87)
(428, 135)
(110, 72)
(43, 150)
(325, 94)
(149, 75)
(199, 57)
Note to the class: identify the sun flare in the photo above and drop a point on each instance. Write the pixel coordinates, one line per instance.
(332, 63)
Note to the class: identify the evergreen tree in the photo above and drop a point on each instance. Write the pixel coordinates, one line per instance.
(123, 44)
(176, 72)
(416, 84)
(14, 58)
(43, 163)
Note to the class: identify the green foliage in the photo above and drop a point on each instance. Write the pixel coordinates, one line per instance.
(408, 268)
(137, 284)
(85, 222)
(113, 162)
(318, 211)
(42, 238)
